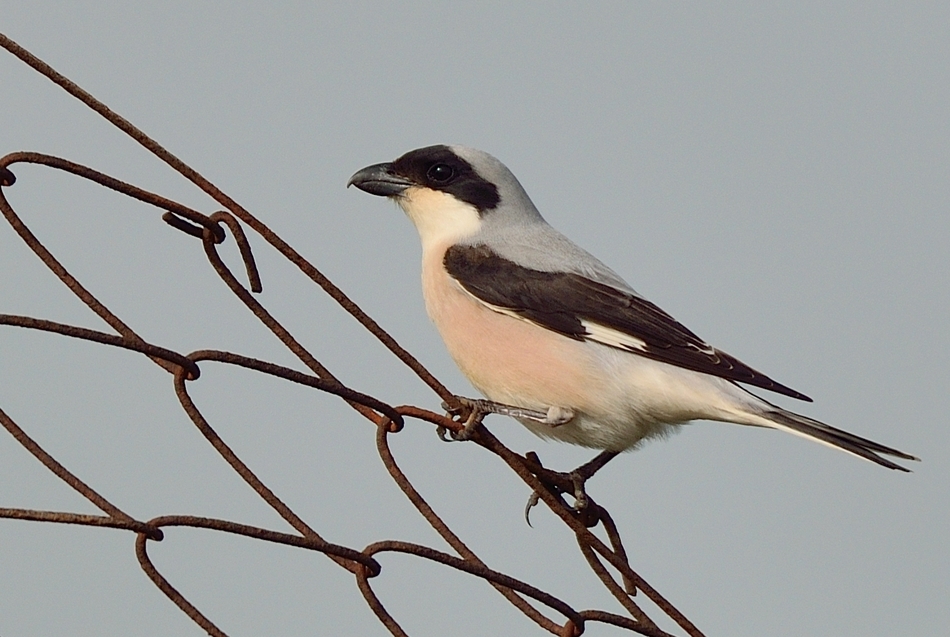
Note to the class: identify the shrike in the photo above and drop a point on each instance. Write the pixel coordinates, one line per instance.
(538, 324)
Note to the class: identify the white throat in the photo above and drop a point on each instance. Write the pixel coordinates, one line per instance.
(440, 218)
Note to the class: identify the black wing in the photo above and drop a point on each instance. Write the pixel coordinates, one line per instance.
(582, 309)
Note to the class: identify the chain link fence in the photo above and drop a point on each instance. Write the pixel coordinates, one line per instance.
(604, 551)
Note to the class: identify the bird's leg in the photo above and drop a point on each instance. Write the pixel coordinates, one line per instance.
(478, 408)
(554, 416)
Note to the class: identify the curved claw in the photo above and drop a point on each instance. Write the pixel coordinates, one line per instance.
(533, 500)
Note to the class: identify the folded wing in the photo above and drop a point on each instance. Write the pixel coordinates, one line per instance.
(584, 309)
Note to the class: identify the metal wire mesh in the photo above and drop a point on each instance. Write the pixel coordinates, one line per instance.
(557, 617)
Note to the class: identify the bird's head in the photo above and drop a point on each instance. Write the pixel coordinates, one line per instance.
(449, 192)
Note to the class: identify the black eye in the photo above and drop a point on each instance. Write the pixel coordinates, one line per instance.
(440, 173)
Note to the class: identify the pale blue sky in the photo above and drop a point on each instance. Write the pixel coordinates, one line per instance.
(776, 178)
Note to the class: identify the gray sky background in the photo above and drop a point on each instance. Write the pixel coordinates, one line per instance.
(776, 178)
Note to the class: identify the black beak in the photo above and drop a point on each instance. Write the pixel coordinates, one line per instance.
(379, 179)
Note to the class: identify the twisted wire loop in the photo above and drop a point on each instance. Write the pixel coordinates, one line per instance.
(184, 368)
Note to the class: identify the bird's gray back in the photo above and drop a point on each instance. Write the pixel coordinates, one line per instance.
(516, 231)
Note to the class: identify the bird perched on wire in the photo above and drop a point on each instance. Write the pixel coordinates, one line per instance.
(552, 336)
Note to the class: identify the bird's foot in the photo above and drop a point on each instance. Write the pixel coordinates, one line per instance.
(578, 481)
(473, 410)
(558, 483)
(572, 483)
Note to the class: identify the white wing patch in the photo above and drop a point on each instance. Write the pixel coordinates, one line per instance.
(612, 337)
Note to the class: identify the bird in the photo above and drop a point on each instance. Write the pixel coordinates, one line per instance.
(552, 336)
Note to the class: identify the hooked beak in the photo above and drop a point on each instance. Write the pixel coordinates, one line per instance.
(379, 179)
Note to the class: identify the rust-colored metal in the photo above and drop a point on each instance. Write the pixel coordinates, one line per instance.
(436, 522)
(141, 552)
(211, 230)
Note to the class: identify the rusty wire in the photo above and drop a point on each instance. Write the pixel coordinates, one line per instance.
(363, 563)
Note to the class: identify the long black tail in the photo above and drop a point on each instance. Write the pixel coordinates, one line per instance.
(810, 428)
